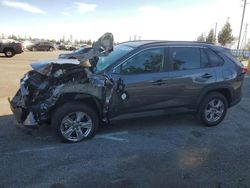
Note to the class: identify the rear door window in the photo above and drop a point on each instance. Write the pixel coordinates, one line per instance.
(185, 58)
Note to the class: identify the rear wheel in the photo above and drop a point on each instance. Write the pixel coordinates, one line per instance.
(213, 109)
(74, 122)
(9, 52)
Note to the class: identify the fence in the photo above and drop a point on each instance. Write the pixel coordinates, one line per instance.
(241, 53)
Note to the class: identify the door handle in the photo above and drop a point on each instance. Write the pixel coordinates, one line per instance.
(207, 76)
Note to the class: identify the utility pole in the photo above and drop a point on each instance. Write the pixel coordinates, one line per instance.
(244, 38)
(242, 19)
(215, 32)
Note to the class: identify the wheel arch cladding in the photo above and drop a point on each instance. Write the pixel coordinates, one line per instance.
(92, 101)
(225, 91)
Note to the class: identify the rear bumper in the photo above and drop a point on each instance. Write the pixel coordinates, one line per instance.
(235, 101)
(19, 51)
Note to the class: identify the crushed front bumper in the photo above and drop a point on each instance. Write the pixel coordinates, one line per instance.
(28, 120)
(18, 112)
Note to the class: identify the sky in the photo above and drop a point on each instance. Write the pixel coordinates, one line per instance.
(89, 19)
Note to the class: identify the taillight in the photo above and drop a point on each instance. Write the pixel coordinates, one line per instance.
(244, 70)
(20, 45)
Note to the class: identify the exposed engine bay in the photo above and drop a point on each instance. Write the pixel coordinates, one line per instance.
(51, 81)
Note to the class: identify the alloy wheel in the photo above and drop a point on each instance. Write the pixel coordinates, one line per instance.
(76, 126)
(214, 110)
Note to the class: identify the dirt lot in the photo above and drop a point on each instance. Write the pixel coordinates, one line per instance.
(12, 69)
(153, 150)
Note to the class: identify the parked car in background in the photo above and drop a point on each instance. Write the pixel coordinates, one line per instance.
(41, 46)
(131, 77)
(83, 45)
(77, 54)
(61, 47)
(69, 47)
(10, 47)
(27, 43)
(72, 48)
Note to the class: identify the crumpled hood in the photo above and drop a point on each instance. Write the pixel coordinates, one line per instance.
(102, 47)
(44, 66)
(44, 63)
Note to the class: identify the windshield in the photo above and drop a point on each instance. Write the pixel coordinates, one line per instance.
(118, 52)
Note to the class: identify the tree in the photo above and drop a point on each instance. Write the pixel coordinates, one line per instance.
(225, 35)
(76, 41)
(201, 38)
(14, 37)
(211, 37)
(89, 42)
(52, 41)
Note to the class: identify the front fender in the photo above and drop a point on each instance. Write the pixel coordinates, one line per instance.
(86, 89)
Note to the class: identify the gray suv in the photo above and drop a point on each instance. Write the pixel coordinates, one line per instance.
(131, 77)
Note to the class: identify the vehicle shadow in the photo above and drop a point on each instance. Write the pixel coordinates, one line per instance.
(148, 121)
(9, 128)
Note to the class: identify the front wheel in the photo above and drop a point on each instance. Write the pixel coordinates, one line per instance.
(74, 122)
(213, 109)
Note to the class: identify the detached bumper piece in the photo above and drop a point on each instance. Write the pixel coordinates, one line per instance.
(22, 117)
(30, 120)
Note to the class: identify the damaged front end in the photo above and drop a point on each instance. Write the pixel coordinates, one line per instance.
(42, 88)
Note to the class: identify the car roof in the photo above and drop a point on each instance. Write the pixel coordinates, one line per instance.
(138, 43)
(149, 43)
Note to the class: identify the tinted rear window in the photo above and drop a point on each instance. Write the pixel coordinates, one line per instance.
(185, 58)
(214, 59)
(204, 59)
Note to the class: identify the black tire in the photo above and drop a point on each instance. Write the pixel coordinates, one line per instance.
(33, 49)
(9, 52)
(205, 106)
(70, 108)
(51, 49)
